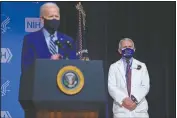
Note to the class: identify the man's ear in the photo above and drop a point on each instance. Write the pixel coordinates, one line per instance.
(134, 49)
(120, 51)
(42, 19)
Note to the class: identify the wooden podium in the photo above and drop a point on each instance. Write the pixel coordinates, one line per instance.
(40, 96)
(67, 114)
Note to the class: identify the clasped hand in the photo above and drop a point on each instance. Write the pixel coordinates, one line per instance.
(129, 104)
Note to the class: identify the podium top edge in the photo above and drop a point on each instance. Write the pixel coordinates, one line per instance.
(67, 60)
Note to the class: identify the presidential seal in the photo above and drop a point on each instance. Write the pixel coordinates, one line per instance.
(70, 80)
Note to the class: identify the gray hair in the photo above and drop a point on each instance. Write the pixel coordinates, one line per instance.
(125, 39)
(48, 4)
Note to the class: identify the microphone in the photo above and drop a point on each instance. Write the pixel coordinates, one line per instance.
(84, 53)
(57, 42)
(69, 44)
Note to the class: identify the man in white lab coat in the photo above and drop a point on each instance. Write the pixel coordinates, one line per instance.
(128, 84)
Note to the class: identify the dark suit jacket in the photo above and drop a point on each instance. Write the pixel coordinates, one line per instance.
(35, 47)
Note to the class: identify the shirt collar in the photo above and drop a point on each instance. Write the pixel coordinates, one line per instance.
(46, 33)
(123, 59)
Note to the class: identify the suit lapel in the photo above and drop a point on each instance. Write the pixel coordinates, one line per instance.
(134, 70)
(120, 66)
(121, 69)
(43, 43)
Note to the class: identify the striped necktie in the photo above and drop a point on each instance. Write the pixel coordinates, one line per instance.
(52, 46)
(128, 77)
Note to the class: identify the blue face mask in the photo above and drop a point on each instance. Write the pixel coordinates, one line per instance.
(127, 52)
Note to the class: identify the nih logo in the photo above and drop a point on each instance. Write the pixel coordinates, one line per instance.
(33, 24)
(6, 55)
(4, 88)
(5, 114)
(5, 20)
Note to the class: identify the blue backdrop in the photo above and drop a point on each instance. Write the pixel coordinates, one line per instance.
(17, 19)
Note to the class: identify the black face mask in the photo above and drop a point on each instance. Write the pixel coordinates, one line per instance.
(51, 25)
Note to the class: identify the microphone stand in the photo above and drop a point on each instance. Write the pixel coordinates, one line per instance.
(58, 44)
(67, 49)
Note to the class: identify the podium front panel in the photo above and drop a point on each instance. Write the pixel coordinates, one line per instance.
(45, 84)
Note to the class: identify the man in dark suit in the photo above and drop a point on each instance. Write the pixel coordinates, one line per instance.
(47, 43)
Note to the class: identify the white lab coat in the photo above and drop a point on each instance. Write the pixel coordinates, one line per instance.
(117, 88)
